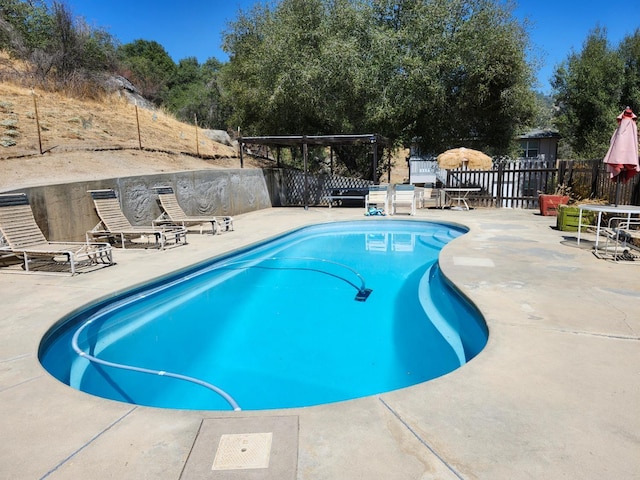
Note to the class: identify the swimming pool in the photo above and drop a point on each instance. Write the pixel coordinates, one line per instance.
(325, 313)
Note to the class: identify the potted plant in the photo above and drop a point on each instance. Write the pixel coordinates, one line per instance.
(549, 202)
(569, 217)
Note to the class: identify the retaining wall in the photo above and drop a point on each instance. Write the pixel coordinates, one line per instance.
(66, 211)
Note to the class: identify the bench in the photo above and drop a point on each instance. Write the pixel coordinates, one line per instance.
(345, 197)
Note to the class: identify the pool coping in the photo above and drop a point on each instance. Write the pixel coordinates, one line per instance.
(553, 394)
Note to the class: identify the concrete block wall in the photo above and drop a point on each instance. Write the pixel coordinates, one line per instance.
(65, 212)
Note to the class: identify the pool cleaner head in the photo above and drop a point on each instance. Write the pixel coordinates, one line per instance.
(363, 294)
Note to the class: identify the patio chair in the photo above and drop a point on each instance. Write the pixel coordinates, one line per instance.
(427, 197)
(622, 235)
(172, 213)
(115, 226)
(403, 196)
(379, 196)
(23, 238)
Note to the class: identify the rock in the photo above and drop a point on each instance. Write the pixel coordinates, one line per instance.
(118, 83)
(220, 136)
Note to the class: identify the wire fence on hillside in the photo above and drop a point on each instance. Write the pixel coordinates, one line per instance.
(43, 123)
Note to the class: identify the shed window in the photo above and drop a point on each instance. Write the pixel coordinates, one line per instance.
(530, 148)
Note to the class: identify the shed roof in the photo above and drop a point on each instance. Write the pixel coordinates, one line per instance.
(540, 133)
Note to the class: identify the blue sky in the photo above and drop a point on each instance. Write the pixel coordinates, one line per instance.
(194, 28)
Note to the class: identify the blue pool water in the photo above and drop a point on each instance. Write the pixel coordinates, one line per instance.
(286, 323)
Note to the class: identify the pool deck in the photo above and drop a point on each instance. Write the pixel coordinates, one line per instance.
(554, 395)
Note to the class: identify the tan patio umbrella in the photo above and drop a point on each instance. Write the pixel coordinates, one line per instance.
(459, 157)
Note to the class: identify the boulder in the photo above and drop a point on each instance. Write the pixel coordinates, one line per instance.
(118, 83)
(220, 136)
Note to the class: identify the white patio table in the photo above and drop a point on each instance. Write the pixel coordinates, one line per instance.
(458, 195)
(618, 210)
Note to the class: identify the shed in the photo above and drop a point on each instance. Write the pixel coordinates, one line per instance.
(540, 143)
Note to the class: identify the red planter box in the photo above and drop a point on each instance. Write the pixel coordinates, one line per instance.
(549, 203)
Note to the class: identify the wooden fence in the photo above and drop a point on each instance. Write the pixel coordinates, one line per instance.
(518, 184)
(511, 184)
(589, 179)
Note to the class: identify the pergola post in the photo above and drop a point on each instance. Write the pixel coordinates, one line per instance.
(293, 141)
(305, 152)
(375, 161)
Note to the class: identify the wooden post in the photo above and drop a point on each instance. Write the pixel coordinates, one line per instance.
(35, 106)
(195, 120)
(499, 184)
(138, 124)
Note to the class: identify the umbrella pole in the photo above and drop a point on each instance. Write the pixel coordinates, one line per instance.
(617, 195)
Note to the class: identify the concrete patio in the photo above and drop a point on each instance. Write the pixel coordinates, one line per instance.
(554, 395)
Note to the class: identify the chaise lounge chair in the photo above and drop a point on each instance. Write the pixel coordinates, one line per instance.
(24, 239)
(115, 226)
(172, 213)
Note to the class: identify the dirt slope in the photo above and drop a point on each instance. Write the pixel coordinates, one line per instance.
(86, 140)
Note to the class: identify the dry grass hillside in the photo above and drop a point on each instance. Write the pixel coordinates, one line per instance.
(83, 140)
(86, 140)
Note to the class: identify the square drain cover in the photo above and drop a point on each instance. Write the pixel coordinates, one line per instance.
(243, 451)
(230, 448)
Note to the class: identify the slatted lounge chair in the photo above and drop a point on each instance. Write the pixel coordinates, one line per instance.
(23, 238)
(115, 226)
(404, 196)
(172, 213)
(378, 195)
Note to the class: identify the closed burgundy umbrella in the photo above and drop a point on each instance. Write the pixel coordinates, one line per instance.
(622, 157)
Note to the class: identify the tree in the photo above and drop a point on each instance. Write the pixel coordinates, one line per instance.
(629, 51)
(449, 72)
(148, 65)
(462, 78)
(193, 92)
(545, 109)
(588, 90)
(24, 26)
(56, 44)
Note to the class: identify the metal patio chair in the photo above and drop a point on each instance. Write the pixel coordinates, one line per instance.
(172, 213)
(116, 227)
(23, 238)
